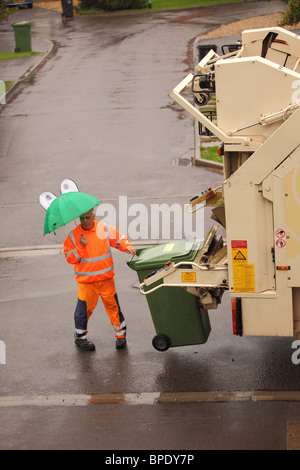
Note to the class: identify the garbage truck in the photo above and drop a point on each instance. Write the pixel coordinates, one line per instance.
(257, 258)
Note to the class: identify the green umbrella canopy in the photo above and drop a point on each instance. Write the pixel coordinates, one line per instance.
(66, 208)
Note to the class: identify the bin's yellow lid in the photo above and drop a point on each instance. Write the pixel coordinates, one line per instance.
(21, 23)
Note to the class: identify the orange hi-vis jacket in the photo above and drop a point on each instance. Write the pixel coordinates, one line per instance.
(94, 262)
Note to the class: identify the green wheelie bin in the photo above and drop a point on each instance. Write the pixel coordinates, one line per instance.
(177, 315)
(22, 36)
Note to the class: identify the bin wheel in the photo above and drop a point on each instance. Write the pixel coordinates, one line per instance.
(161, 342)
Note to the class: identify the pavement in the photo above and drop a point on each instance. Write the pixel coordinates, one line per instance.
(17, 69)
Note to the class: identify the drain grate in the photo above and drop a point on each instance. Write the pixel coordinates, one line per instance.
(182, 161)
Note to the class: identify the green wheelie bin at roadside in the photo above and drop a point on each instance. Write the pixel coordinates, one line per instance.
(22, 36)
(177, 315)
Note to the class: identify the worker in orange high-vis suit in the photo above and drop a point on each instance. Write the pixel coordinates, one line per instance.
(88, 248)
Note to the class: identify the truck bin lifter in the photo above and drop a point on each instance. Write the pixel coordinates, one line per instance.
(257, 91)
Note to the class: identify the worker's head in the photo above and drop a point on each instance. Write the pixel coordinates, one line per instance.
(87, 220)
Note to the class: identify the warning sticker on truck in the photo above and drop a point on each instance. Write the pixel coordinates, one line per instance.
(239, 251)
(188, 277)
(242, 271)
(243, 278)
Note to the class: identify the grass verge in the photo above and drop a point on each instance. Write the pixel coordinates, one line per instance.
(211, 153)
(170, 4)
(15, 55)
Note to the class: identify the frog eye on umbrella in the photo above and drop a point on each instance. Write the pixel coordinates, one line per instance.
(46, 199)
(68, 186)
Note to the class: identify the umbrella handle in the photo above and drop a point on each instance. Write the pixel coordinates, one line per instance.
(78, 227)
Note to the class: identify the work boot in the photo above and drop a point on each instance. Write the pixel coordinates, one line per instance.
(85, 344)
(121, 343)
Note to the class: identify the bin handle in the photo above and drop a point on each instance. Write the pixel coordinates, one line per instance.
(204, 267)
(191, 212)
(141, 288)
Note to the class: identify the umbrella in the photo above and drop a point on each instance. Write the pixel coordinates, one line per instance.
(67, 207)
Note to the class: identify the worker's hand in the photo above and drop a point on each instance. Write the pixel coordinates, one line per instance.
(83, 241)
(130, 250)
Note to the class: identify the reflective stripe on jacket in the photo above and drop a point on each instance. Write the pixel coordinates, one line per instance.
(94, 262)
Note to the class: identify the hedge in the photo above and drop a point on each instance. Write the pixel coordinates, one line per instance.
(113, 5)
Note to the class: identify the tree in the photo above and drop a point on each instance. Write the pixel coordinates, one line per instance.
(292, 15)
(113, 5)
(4, 11)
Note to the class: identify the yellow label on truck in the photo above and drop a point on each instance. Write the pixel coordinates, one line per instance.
(188, 277)
(239, 251)
(243, 278)
(242, 272)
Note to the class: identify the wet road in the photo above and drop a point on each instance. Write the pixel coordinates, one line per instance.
(97, 111)
(103, 96)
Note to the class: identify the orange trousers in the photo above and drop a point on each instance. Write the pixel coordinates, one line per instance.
(88, 295)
